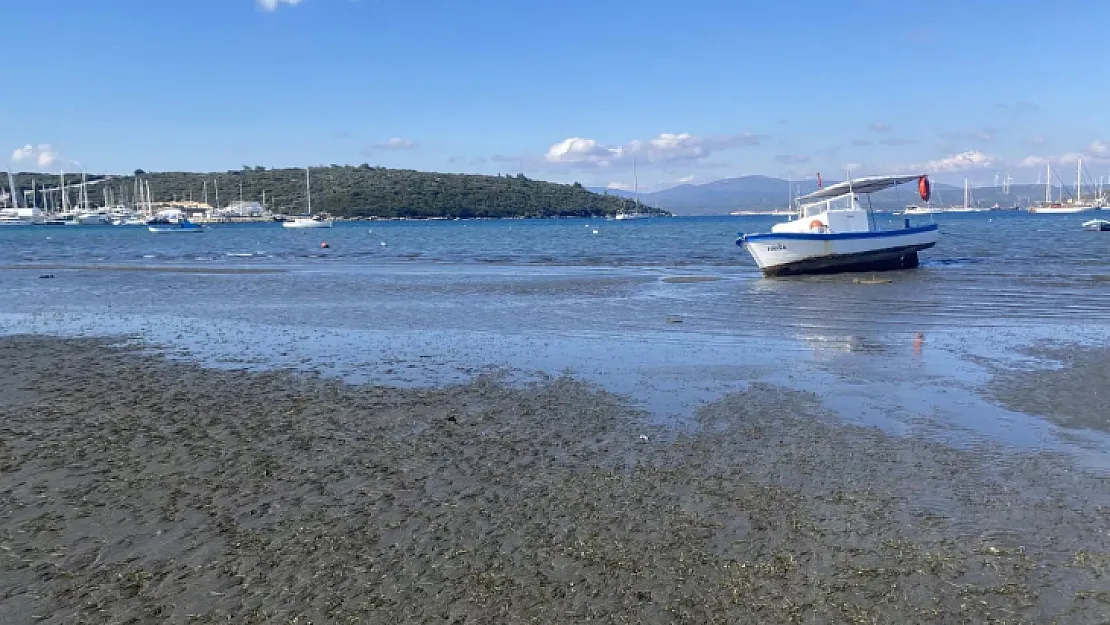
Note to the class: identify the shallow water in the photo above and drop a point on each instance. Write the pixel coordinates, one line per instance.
(440, 301)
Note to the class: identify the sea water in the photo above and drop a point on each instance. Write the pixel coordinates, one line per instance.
(668, 311)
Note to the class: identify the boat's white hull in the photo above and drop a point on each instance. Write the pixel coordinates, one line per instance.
(625, 216)
(1061, 210)
(1097, 225)
(15, 222)
(173, 229)
(307, 223)
(780, 254)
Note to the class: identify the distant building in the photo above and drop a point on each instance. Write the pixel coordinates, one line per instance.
(239, 210)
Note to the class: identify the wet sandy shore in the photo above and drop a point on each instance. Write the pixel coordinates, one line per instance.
(1074, 394)
(143, 268)
(135, 489)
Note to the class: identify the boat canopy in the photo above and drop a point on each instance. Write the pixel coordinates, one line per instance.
(870, 184)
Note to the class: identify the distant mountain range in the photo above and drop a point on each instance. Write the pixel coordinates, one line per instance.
(764, 193)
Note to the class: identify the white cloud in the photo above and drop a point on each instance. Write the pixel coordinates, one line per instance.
(43, 156)
(1099, 149)
(665, 148)
(619, 186)
(1069, 158)
(272, 5)
(395, 143)
(685, 179)
(964, 161)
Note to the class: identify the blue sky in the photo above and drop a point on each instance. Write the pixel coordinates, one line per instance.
(567, 90)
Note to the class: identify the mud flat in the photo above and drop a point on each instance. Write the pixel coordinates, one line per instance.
(136, 489)
(1075, 394)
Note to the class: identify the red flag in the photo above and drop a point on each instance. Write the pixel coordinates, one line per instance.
(819, 185)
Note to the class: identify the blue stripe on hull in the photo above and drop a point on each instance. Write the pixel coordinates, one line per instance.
(834, 236)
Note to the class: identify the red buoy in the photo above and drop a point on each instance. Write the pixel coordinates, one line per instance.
(924, 189)
(325, 245)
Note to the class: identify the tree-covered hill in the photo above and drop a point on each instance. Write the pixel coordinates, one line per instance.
(354, 191)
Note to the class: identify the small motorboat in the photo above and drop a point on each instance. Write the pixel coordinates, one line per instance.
(834, 233)
(1097, 225)
(166, 225)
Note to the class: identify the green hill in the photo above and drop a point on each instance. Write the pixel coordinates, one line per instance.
(365, 191)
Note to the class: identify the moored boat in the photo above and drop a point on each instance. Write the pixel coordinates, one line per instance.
(835, 233)
(310, 220)
(1097, 225)
(172, 222)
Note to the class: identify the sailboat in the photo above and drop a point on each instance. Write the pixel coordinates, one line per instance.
(1048, 207)
(638, 214)
(968, 207)
(308, 221)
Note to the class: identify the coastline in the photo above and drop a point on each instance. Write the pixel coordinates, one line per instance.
(152, 489)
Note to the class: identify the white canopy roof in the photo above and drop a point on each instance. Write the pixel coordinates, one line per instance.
(871, 184)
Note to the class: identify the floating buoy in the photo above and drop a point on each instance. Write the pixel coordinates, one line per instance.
(324, 245)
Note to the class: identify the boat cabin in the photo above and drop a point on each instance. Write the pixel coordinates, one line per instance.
(843, 213)
(837, 208)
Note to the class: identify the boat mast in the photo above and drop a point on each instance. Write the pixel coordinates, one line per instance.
(1048, 185)
(63, 191)
(83, 193)
(635, 185)
(1079, 181)
(308, 189)
(965, 192)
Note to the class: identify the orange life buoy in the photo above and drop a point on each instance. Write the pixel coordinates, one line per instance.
(816, 223)
(924, 189)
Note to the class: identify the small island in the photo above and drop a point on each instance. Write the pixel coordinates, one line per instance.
(353, 192)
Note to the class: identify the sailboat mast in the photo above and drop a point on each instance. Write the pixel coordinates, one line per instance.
(1079, 181)
(1048, 184)
(308, 189)
(635, 184)
(965, 192)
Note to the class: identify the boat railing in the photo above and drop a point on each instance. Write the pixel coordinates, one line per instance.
(845, 202)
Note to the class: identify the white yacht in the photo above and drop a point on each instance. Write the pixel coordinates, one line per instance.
(1077, 205)
(308, 221)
